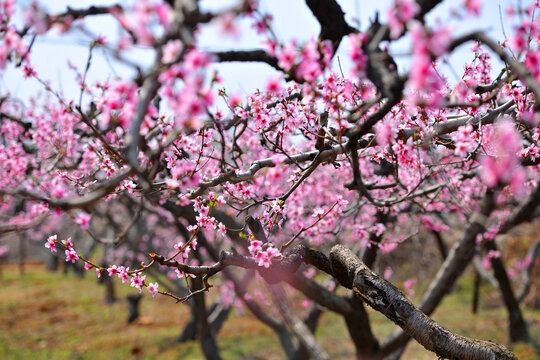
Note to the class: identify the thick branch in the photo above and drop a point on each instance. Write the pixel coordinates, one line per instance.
(85, 201)
(332, 20)
(387, 299)
(258, 55)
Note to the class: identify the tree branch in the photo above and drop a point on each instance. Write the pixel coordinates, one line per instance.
(387, 299)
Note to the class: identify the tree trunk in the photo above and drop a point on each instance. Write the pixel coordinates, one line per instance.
(305, 336)
(476, 292)
(52, 262)
(22, 255)
(133, 306)
(358, 324)
(517, 327)
(189, 333)
(311, 322)
(204, 332)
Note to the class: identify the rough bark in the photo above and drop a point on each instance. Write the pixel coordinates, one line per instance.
(387, 299)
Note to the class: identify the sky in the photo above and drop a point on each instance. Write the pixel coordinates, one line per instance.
(292, 19)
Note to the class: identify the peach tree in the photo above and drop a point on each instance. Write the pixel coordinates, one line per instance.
(300, 185)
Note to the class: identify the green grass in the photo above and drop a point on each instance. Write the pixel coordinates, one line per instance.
(54, 316)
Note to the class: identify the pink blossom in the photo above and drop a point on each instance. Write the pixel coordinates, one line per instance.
(7, 8)
(123, 273)
(398, 15)
(129, 186)
(532, 62)
(386, 132)
(287, 56)
(473, 6)
(226, 24)
(67, 243)
(492, 254)
(58, 191)
(264, 258)
(523, 264)
(113, 270)
(153, 288)
(318, 212)
(387, 247)
(29, 71)
(101, 40)
(341, 202)
(388, 273)
(310, 273)
(262, 25)
(51, 243)
(254, 247)
(164, 14)
(137, 281)
(359, 59)
(272, 85)
(71, 255)
(83, 219)
(171, 50)
(408, 287)
(500, 163)
(181, 274)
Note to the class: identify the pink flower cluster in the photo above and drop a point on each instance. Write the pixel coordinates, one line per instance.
(359, 59)
(464, 139)
(426, 87)
(500, 164)
(263, 257)
(399, 14)
(70, 253)
(310, 62)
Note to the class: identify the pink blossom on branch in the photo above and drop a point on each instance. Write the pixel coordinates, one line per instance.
(500, 163)
(153, 288)
(399, 14)
(83, 219)
(227, 26)
(71, 255)
(264, 257)
(473, 6)
(51, 243)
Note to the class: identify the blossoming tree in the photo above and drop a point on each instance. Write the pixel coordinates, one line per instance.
(319, 172)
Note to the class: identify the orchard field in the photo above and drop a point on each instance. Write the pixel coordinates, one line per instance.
(50, 316)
